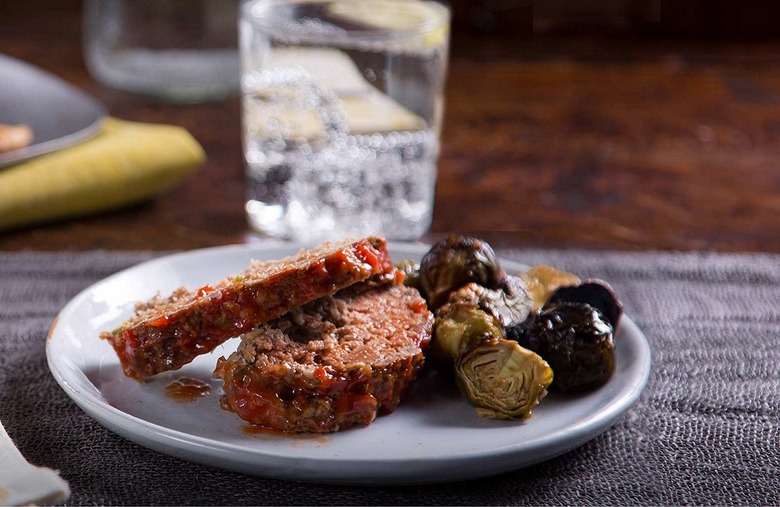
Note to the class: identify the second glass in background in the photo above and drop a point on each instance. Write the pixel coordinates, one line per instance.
(342, 110)
(179, 51)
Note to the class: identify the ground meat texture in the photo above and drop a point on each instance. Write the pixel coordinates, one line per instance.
(331, 364)
(167, 333)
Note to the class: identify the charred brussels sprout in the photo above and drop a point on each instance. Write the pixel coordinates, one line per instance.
(509, 305)
(576, 340)
(454, 262)
(501, 379)
(597, 294)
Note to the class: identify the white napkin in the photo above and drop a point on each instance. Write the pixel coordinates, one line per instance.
(22, 483)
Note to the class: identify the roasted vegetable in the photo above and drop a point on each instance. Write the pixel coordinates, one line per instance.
(411, 271)
(575, 339)
(501, 379)
(596, 293)
(541, 281)
(454, 262)
(504, 336)
(457, 328)
(509, 305)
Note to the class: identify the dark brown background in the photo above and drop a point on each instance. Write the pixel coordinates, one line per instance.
(630, 125)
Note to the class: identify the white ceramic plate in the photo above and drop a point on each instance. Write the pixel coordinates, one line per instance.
(59, 114)
(433, 436)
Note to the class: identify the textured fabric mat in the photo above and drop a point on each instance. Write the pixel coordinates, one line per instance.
(705, 431)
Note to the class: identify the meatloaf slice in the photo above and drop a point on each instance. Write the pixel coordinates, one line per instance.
(333, 363)
(166, 333)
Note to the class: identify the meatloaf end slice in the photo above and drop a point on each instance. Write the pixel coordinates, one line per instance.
(333, 363)
(167, 333)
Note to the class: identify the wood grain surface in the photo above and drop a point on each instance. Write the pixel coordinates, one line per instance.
(622, 140)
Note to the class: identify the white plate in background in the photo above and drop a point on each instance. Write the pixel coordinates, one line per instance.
(59, 114)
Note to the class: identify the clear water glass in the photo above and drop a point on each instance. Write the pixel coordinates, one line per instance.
(179, 51)
(342, 110)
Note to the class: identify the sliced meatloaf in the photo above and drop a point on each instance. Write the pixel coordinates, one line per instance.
(166, 333)
(333, 363)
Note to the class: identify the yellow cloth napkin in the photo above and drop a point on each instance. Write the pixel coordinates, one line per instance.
(125, 163)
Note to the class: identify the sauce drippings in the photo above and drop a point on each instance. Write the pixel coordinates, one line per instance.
(185, 390)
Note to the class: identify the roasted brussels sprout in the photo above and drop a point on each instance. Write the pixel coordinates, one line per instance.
(457, 328)
(596, 293)
(509, 305)
(411, 271)
(454, 262)
(541, 281)
(576, 341)
(501, 379)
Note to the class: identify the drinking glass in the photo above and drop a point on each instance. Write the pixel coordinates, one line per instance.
(342, 109)
(178, 51)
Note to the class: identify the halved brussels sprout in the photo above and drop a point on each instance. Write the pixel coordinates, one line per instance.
(501, 379)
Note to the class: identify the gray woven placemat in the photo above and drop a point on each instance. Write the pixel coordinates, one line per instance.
(705, 431)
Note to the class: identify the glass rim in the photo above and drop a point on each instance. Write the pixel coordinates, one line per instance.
(439, 10)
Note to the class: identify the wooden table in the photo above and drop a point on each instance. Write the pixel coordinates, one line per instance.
(611, 142)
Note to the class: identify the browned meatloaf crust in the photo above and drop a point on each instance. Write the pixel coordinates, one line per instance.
(331, 364)
(167, 333)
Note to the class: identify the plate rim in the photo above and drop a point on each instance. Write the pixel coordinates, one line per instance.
(158, 437)
(34, 150)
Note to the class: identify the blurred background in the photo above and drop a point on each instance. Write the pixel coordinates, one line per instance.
(628, 124)
(533, 28)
